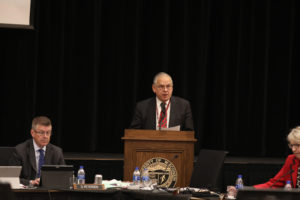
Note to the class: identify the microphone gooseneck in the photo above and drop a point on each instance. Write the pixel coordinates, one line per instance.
(290, 172)
(175, 157)
(165, 170)
(291, 169)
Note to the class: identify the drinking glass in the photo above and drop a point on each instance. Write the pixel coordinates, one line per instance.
(72, 182)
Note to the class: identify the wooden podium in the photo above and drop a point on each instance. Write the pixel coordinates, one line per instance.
(175, 146)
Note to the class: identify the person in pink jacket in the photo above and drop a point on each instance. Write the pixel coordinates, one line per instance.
(290, 169)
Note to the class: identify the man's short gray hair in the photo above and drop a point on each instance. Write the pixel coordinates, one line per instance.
(159, 75)
(40, 120)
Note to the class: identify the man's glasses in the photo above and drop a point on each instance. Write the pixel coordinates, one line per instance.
(294, 145)
(47, 133)
(162, 87)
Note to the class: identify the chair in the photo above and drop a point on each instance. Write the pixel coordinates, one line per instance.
(207, 169)
(5, 155)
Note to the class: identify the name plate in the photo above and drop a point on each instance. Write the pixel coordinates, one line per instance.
(89, 187)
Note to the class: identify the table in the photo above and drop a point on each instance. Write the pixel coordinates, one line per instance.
(110, 194)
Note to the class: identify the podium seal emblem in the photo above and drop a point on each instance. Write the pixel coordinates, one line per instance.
(162, 171)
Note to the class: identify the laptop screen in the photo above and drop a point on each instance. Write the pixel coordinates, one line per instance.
(56, 176)
(10, 174)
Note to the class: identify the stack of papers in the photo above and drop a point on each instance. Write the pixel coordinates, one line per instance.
(115, 184)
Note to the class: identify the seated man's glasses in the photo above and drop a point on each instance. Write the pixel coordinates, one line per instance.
(47, 133)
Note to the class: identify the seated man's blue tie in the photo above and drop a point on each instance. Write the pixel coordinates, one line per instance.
(41, 162)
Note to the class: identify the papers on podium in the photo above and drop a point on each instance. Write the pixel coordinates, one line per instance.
(174, 128)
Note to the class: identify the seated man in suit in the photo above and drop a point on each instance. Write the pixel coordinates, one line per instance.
(35, 152)
(164, 110)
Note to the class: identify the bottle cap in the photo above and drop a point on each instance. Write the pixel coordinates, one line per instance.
(240, 176)
(81, 166)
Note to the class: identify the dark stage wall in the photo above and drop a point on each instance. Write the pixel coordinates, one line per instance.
(87, 63)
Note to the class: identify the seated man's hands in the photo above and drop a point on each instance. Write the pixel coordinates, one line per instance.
(35, 182)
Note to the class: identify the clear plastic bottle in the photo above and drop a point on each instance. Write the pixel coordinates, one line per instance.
(81, 175)
(145, 178)
(239, 184)
(288, 185)
(136, 178)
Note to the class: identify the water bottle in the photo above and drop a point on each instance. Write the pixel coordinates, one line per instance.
(239, 184)
(136, 176)
(288, 185)
(81, 175)
(145, 178)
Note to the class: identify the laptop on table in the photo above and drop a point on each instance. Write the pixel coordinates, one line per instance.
(56, 176)
(11, 175)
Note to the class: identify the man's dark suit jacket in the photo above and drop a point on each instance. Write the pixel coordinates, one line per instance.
(24, 156)
(180, 114)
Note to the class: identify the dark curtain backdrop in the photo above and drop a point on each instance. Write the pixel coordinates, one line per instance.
(87, 63)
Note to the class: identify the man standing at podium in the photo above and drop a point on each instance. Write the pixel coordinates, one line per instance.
(164, 110)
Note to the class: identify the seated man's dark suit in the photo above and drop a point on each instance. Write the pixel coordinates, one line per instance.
(24, 156)
(180, 114)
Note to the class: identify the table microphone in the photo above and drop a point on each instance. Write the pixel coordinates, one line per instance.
(288, 173)
(175, 157)
(165, 170)
(291, 169)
